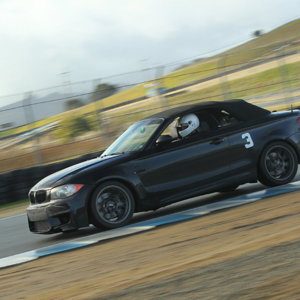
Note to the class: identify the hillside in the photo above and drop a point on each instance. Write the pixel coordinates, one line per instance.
(257, 49)
(287, 35)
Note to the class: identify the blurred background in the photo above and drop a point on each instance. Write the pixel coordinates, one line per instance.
(180, 53)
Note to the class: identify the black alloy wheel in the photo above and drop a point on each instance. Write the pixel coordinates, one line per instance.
(278, 164)
(112, 205)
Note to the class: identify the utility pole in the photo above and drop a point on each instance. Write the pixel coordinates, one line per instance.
(284, 74)
(29, 114)
(160, 86)
(96, 100)
(223, 77)
(67, 84)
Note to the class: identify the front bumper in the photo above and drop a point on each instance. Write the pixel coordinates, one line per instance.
(59, 215)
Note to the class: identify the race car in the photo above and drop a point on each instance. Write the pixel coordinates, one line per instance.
(179, 153)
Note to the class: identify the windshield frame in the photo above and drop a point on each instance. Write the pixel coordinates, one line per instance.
(120, 139)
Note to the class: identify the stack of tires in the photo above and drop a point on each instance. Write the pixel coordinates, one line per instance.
(20, 184)
(15, 185)
(4, 197)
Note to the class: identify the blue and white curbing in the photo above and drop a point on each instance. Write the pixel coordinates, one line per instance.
(147, 225)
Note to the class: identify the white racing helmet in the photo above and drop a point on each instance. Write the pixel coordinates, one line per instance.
(187, 124)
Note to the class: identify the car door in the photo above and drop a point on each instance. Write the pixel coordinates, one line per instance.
(242, 142)
(241, 137)
(183, 169)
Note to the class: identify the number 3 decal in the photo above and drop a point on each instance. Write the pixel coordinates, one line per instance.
(248, 139)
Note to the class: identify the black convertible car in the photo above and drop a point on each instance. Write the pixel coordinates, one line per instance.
(170, 156)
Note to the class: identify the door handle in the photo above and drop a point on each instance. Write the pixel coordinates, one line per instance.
(217, 141)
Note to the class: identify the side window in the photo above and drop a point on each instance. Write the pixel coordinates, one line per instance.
(225, 119)
(170, 137)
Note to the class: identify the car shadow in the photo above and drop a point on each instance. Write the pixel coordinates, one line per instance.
(167, 210)
(195, 202)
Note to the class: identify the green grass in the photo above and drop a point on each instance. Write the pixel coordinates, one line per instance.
(13, 208)
(13, 204)
(192, 73)
(258, 84)
(265, 82)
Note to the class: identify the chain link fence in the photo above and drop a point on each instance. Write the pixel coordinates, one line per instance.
(32, 128)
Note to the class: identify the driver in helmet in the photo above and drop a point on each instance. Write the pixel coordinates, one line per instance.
(188, 125)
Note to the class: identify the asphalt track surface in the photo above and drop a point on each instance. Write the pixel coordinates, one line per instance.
(16, 238)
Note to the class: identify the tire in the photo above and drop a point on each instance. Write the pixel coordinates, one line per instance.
(278, 164)
(112, 205)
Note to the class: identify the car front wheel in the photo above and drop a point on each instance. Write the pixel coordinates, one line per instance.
(278, 164)
(112, 205)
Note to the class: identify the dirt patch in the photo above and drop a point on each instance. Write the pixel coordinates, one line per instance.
(249, 252)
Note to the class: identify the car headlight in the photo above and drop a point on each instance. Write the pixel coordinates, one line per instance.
(65, 191)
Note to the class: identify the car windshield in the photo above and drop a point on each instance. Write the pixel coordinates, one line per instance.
(134, 138)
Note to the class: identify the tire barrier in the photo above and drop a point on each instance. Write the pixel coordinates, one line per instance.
(15, 185)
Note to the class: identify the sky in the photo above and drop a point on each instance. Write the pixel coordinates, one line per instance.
(41, 39)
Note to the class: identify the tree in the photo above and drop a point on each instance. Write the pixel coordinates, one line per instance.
(72, 127)
(103, 90)
(73, 103)
(257, 33)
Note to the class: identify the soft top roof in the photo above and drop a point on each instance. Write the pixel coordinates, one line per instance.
(239, 108)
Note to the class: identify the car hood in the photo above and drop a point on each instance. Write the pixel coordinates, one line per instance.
(62, 176)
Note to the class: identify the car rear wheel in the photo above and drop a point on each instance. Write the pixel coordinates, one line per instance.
(112, 205)
(278, 164)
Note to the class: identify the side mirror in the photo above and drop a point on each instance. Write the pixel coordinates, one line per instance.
(164, 139)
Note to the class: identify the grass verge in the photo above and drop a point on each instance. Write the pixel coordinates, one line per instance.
(13, 208)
